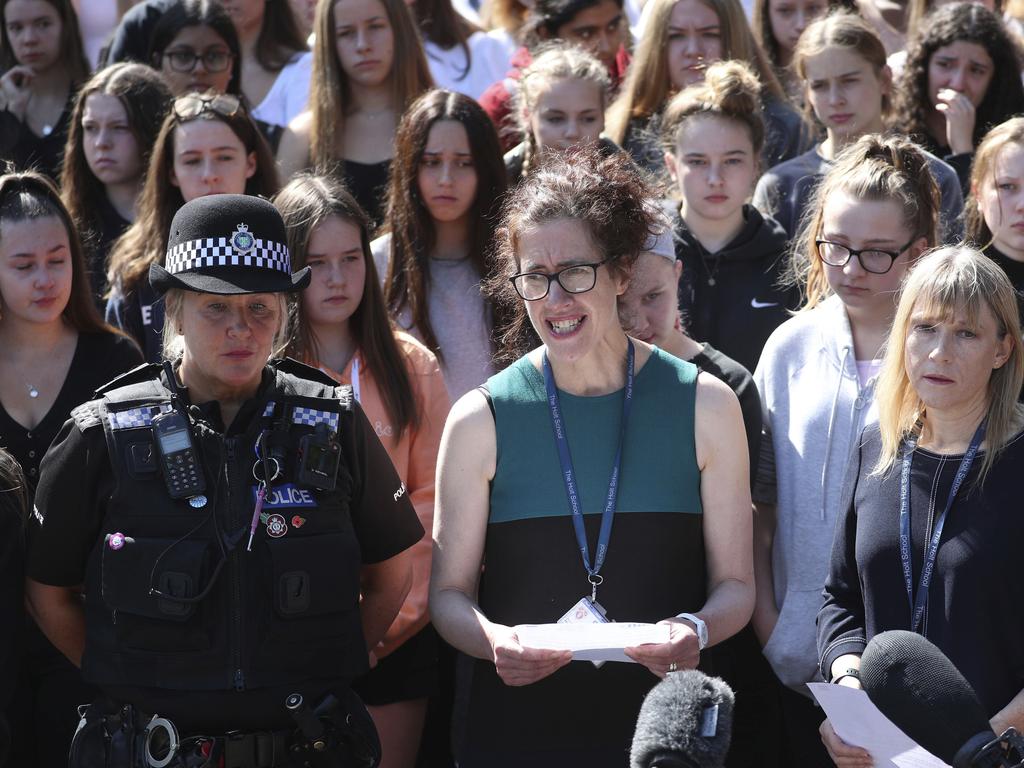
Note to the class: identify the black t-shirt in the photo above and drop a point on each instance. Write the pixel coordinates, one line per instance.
(27, 151)
(742, 383)
(77, 482)
(107, 227)
(98, 358)
(972, 611)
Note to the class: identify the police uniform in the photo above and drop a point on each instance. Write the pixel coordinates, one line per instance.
(209, 607)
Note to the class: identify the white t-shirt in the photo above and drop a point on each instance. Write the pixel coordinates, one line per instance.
(489, 61)
(288, 97)
(96, 20)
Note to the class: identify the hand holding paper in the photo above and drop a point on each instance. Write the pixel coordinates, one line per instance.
(592, 642)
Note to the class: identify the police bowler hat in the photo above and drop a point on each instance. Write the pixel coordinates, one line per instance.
(227, 244)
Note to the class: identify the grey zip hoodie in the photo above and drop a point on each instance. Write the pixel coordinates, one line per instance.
(814, 410)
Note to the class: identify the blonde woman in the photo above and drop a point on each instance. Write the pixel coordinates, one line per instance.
(942, 470)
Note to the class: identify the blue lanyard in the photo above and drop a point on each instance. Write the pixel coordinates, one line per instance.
(919, 603)
(569, 474)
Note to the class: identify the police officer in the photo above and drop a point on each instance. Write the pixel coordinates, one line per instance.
(235, 527)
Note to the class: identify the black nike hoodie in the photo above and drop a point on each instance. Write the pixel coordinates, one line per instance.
(732, 299)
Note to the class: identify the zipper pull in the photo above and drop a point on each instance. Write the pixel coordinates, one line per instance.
(239, 680)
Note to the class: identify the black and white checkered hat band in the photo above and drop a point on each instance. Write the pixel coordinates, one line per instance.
(218, 252)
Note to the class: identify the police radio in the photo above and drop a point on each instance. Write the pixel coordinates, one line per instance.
(181, 469)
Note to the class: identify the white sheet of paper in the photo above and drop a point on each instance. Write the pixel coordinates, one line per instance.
(857, 721)
(591, 642)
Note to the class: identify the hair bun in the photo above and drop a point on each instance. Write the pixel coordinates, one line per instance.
(733, 88)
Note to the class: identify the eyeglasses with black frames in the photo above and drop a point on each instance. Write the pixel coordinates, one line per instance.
(185, 59)
(192, 105)
(579, 278)
(877, 261)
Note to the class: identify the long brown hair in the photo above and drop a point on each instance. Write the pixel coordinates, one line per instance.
(648, 84)
(888, 168)
(146, 99)
(761, 26)
(304, 203)
(408, 220)
(976, 228)
(442, 25)
(72, 53)
(27, 196)
(145, 241)
(329, 94)
(279, 37)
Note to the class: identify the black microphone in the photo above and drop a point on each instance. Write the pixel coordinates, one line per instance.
(685, 722)
(919, 689)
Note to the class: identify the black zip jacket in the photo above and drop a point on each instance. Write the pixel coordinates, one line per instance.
(732, 299)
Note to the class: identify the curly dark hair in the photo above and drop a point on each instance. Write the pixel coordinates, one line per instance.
(608, 194)
(959, 22)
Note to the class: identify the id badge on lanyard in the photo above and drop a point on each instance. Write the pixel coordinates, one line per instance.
(572, 489)
(919, 602)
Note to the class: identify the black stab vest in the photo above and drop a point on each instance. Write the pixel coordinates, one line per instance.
(284, 612)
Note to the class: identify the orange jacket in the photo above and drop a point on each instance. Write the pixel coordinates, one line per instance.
(414, 455)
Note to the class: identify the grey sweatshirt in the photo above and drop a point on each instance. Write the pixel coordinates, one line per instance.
(814, 409)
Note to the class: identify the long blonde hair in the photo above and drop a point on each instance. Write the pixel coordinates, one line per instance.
(647, 86)
(890, 168)
(329, 93)
(944, 283)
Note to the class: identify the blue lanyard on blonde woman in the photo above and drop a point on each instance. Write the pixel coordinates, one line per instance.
(569, 474)
(920, 602)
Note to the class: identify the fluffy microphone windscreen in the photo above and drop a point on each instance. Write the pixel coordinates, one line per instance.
(918, 688)
(686, 716)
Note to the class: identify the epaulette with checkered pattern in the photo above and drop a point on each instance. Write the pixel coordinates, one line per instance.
(89, 414)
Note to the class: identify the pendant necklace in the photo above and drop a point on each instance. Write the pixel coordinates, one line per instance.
(32, 391)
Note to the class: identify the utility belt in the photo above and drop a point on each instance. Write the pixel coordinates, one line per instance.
(334, 734)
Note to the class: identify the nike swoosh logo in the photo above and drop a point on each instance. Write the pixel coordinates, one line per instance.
(763, 304)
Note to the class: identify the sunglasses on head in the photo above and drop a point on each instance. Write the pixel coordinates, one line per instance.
(192, 105)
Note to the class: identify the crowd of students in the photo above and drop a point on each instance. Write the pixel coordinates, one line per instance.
(796, 159)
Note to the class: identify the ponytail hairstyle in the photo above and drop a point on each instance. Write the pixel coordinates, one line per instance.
(730, 91)
(951, 281)
(982, 170)
(554, 61)
(329, 94)
(28, 195)
(13, 490)
(876, 168)
(607, 194)
(761, 26)
(647, 86)
(145, 241)
(960, 22)
(146, 100)
(305, 202)
(412, 229)
(847, 31)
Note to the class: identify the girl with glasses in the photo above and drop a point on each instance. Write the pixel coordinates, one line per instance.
(962, 77)
(446, 181)
(732, 256)
(117, 116)
(840, 64)
(679, 551)
(56, 353)
(43, 64)
(681, 38)
(560, 104)
(368, 67)
(207, 145)
(196, 48)
(873, 214)
(343, 327)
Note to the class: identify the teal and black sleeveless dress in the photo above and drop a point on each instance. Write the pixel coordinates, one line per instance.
(533, 573)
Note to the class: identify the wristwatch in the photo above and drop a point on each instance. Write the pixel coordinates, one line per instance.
(700, 626)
